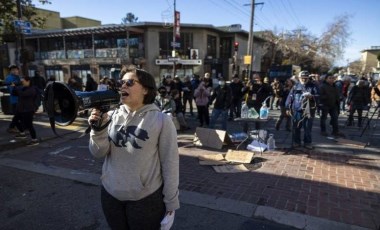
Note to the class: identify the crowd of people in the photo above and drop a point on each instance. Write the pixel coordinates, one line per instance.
(139, 141)
(300, 99)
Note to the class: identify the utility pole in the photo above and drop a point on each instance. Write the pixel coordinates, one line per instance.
(174, 39)
(21, 53)
(250, 36)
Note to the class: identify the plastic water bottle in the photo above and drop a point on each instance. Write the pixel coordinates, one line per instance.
(271, 143)
(244, 110)
(264, 111)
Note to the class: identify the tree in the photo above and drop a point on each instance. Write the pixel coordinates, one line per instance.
(8, 13)
(129, 18)
(300, 47)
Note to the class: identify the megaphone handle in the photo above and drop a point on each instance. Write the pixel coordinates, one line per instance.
(98, 123)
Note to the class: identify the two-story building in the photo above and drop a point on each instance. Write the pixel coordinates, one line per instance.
(100, 50)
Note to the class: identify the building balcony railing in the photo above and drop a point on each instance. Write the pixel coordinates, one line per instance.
(89, 53)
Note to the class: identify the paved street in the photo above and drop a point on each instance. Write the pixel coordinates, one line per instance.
(334, 186)
(41, 202)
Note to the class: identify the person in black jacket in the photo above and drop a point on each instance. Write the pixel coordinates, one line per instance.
(256, 93)
(25, 109)
(91, 84)
(188, 95)
(329, 102)
(39, 83)
(237, 95)
(283, 94)
(222, 96)
(358, 99)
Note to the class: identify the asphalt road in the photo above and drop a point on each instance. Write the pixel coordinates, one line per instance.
(37, 201)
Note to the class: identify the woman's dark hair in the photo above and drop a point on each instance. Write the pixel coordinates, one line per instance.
(146, 80)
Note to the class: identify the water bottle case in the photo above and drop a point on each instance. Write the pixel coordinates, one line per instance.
(271, 144)
(264, 112)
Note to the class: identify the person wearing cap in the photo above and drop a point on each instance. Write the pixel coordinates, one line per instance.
(12, 80)
(25, 109)
(301, 104)
(164, 101)
(140, 175)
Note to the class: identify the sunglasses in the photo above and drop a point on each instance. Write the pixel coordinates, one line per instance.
(129, 82)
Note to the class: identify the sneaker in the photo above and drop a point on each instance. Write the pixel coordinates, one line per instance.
(308, 146)
(296, 145)
(324, 133)
(20, 135)
(338, 134)
(12, 130)
(32, 142)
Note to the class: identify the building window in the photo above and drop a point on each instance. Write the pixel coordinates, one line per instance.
(186, 43)
(211, 46)
(226, 48)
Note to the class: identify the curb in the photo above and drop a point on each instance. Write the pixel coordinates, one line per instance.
(246, 209)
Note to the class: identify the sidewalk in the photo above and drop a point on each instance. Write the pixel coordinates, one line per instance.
(334, 186)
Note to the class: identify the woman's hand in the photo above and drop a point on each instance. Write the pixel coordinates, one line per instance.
(96, 115)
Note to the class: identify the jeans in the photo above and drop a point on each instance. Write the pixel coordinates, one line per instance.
(143, 214)
(214, 117)
(334, 118)
(298, 123)
(235, 108)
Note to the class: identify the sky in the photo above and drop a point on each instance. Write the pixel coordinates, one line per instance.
(278, 15)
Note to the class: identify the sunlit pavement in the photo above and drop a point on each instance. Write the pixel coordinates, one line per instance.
(334, 186)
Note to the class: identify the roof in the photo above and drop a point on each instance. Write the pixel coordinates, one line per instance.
(133, 27)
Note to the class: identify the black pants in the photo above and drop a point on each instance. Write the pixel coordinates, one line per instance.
(144, 214)
(16, 117)
(26, 119)
(187, 99)
(203, 115)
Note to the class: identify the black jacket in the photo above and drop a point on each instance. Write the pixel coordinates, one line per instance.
(26, 98)
(329, 95)
(222, 97)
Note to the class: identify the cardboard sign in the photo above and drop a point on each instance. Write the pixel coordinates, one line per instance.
(230, 168)
(213, 138)
(239, 156)
(211, 157)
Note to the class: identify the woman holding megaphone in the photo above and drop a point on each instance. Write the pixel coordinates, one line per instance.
(140, 173)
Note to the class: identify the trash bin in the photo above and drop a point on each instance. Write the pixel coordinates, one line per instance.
(6, 107)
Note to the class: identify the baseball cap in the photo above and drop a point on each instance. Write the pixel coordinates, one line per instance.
(304, 74)
(13, 67)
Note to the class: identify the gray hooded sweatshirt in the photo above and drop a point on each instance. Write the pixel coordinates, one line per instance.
(141, 154)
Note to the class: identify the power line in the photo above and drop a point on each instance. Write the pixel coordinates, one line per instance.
(227, 10)
(288, 11)
(294, 13)
(276, 14)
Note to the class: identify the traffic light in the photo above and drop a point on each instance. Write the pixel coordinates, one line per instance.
(236, 46)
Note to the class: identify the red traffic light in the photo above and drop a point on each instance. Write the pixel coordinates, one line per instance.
(236, 45)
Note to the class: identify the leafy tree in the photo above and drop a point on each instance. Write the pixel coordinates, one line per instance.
(8, 13)
(129, 18)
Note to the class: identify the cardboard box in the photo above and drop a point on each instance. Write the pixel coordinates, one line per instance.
(213, 138)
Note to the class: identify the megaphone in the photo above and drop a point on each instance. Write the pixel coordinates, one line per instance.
(62, 103)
